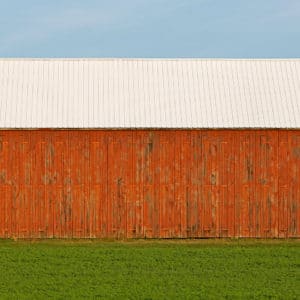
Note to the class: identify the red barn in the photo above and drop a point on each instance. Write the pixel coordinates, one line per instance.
(157, 148)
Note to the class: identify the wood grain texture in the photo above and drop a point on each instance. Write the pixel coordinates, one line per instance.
(149, 183)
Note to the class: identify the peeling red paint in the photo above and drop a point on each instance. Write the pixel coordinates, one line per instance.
(149, 183)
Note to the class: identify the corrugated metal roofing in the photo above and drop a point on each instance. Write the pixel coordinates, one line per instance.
(149, 93)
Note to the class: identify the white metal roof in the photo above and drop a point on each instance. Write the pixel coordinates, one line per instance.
(149, 93)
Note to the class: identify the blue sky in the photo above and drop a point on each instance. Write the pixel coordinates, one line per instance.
(150, 28)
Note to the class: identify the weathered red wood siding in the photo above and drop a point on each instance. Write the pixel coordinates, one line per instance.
(142, 183)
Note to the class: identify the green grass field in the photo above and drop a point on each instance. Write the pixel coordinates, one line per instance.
(208, 269)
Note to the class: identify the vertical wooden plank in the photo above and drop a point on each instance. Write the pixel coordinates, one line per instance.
(74, 189)
(151, 168)
(55, 182)
(212, 181)
(156, 167)
(245, 180)
(186, 164)
(114, 182)
(123, 181)
(284, 179)
(185, 182)
(273, 185)
(195, 184)
(231, 187)
(5, 212)
(24, 184)
(89, 203)
(163, 185)
(237, 189)
(117, 164)
(294, 223)
(202, 173)
(273, 173)
(110, 185)
(104, 185)
(138, 163)
(208, 219)
(37, 207)
(34, 182)
(258, 193)
(128, 188)
(133, 186)
(60, 178)
(14, 178)
(84, 182)
(267, 182)
(11, 180)
(39, 192)
(167, 184)
(178, 195)
(98, 171)
(226, 184)
(50, 182)
(249, 177)
(70, 180)
(5, 185)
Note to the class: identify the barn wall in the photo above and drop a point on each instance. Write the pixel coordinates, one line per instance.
(188, 183)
